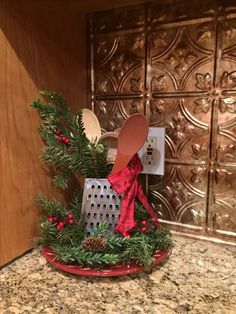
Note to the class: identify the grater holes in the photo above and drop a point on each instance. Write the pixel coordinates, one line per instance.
(100, 198)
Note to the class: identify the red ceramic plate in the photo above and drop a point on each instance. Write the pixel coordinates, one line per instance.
(120, 269)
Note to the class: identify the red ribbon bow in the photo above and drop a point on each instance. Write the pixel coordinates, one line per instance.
(125, 181)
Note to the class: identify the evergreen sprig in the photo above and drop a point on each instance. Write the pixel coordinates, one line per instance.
(51, 207)
(48, 234)
(82, 257)
(61, 180)
(81, 156)
(137, 249)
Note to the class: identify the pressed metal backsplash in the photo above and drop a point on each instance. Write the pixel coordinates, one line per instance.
(176, 63)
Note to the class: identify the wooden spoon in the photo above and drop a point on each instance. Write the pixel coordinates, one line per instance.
(111, 141)
(91, 125)
(131, 138)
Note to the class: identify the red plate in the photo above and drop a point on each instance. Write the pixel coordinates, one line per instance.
(119, 269)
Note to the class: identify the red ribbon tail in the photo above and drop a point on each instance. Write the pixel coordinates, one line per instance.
(126, 221)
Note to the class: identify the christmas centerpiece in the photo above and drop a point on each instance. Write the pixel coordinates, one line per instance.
(107, 227)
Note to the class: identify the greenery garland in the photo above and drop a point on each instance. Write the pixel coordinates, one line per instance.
(69, 152)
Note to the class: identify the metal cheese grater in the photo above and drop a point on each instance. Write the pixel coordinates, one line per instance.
(100, 203)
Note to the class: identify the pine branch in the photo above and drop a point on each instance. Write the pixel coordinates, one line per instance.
(48, 235)
(84, 258)
(138, 250)
(71, 235)
(140, 212)
(76, 204)
(102, 230)
(61, 179)
(116, 242)
(51, 207)
(45, 110)
(162, 239)
(59, 157)
(81, 156)
(56, 98)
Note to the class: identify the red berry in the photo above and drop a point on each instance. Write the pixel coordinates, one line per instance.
(58, 132)
(60, 138)
(61, 224)
(143, 229)
(71, 221)
(67, 141)
(50, 219)
(144, 222)
(64, 139)
(70, 216)
(55, 218)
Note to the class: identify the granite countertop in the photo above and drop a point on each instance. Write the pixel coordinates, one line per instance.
(199, 277)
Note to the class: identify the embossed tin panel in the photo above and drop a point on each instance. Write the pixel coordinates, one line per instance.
(175, 61)
(119, 63)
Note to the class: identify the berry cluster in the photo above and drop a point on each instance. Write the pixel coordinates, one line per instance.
(148, 225)
(144, 226)
(61, 223)
(61, 138)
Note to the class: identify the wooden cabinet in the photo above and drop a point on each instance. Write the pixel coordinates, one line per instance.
(42, 46)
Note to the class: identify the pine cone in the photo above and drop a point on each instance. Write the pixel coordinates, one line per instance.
(94, 244)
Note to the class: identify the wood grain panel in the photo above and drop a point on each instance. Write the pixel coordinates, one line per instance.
(40, 48)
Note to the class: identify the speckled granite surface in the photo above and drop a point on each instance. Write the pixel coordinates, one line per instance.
(199, 277)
